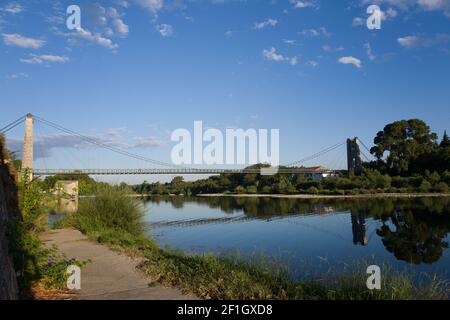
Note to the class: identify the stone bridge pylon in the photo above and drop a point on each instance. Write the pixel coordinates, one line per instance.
(27, 157)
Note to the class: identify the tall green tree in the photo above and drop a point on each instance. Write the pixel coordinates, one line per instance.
(445, 141)
(402, 142)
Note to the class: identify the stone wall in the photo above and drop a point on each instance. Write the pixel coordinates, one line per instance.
(8, 210)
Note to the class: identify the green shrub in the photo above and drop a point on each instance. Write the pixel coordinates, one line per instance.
(252, 189)
(445, 177)
(339, 192)
(239, 190)
(425, 186)
(312, 190)
(441, 187)
(111, 209)
(266, 190)
(434, 178)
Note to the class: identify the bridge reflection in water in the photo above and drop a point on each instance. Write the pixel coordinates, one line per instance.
(415, 231)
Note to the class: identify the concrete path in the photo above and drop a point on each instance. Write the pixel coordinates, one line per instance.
(109, 275)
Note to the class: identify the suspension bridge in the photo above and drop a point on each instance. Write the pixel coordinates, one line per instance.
(354, 152)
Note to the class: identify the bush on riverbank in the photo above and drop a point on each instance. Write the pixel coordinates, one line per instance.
(112, 216)
(116, 219)
(36, 264)
(112, 210)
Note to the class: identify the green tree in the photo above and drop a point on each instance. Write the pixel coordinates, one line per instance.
(445, 141)
(403, 141)
(177, 185)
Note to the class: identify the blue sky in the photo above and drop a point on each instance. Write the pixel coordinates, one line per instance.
(139, 69)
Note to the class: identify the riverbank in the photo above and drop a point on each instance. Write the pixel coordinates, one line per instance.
(211, 277)
(115, 220)
(319, 196)
(108, 275)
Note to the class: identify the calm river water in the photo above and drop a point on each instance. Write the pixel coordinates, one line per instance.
(406, 233)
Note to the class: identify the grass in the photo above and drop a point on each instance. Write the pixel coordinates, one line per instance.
(110, 211)
(115, 219)
(36, 265)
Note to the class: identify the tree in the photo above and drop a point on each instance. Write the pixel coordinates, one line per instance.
(403, 141)
(445, 141)
(177, 185)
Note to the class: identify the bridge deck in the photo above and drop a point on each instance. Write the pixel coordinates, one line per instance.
(47, 172)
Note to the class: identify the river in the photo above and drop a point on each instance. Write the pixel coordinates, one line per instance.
(405, 233)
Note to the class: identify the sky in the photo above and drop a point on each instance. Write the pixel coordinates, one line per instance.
(137, 70)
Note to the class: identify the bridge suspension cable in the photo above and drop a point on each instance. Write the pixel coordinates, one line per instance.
(104, 146)
(100, 144)
(12, 125)
(317, 154)
(365, 147)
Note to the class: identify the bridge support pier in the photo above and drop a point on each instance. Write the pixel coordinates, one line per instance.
(354, 162)
(27, 158)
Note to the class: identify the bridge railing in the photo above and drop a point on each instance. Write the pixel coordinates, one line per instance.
(47, 172)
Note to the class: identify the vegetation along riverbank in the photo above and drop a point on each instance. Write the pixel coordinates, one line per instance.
(115, 219)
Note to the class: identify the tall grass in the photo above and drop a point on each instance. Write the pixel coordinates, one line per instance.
(111, 216)
(212, 277)
(114, 218)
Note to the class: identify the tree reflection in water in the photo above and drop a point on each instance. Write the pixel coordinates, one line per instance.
(413, 230)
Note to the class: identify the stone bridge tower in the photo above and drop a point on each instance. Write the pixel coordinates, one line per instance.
(27, 158)
(354, 162)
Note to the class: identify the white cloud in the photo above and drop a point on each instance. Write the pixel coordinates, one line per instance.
(46, 144)
(322, 31)
(96, 38)
(122, 3)
(109, 32)
(291, 42)
(12, 7)
(328, 48)
(17, 40)
(18, 75)
(401, 4)
(369, 52)
(111, 13)
(391, 13)
(427, 5)
(350, 60)
(293, 60)
(312, 63)
(272, 55)
(95, 14)
(39, 59)
(358, 22)
(302, 4)
(143, 142)
(166, 30)
(266, 23)
(151, 5)
(120, 26)
(432, 5)
(416, 41)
